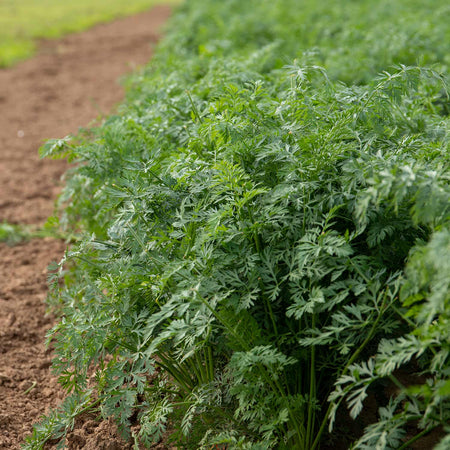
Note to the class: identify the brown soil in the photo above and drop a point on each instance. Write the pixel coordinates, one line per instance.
(66, 86)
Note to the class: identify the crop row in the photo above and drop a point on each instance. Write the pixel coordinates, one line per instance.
(261, 236)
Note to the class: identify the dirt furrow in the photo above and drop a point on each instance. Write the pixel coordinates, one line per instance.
(70, 83)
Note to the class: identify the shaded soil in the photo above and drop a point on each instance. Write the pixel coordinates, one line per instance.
(68, 85)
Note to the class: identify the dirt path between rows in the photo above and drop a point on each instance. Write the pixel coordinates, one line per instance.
(66, 86)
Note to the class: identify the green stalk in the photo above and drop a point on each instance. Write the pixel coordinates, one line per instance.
(312, 390)
(210, 362)
(193, 367)
(349, 363)
(179, 375)
(202, 368)
(194, 108)
(417, 437)
(272, 317)
(258, 245)
(274, 384)
(404, 317)
(89, 407)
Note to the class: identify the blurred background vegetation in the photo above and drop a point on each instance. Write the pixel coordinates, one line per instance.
(22, 22)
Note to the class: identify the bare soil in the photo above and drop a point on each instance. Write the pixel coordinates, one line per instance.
(69, 84)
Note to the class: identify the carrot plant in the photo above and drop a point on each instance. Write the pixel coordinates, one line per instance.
(262, 243)
(13, 234)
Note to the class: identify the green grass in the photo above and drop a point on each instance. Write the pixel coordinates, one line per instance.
(14, 234)
(24, 21)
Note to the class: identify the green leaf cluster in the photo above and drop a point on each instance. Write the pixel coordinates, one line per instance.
(264, 231)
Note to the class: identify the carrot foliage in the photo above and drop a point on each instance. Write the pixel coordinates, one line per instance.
(263, 234)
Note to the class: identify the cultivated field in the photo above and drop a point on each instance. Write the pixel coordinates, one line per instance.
(24, 21)
(259, 238)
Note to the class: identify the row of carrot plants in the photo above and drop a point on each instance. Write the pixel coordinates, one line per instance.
(260, 237)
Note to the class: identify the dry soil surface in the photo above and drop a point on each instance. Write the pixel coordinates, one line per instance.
(70, 83)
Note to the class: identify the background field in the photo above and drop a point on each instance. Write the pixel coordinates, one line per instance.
(24, 21)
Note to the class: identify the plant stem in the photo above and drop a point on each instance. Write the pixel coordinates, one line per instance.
(273, 383)
(312, 389)
(349, 363)
(33, 385)
(194, 108)
(416, 437)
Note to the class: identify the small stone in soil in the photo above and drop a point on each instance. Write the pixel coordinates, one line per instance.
(45, 364)
(4, 378)
(24, 385)
(47, 392)
(11, 319)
